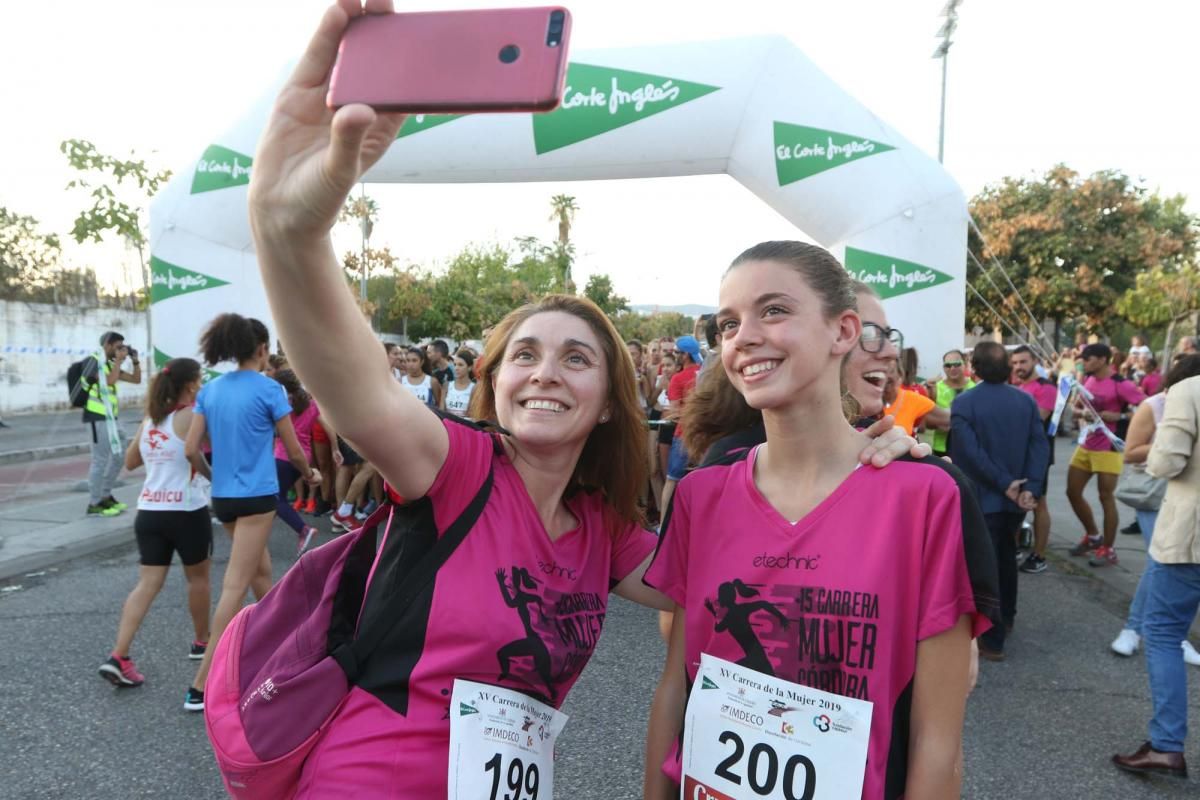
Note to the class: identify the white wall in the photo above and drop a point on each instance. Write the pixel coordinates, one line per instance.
(39, 342)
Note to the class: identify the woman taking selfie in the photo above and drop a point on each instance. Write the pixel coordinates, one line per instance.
(561, 527)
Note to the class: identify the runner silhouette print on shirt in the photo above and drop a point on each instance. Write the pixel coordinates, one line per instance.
(734, 617)
(522, 598)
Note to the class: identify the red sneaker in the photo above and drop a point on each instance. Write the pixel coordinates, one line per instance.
(121, 672)
(299, 504)
(1103, 557)
(346, 523)
(1086, 545)
(311, 506)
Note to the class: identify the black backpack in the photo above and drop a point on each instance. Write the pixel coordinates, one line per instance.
(78, 386)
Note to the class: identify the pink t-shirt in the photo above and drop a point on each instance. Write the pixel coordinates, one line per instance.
(1109, 395)
(1152, 383)
(1044, 394)
(510, 607)
(837, 601)
(303, 423)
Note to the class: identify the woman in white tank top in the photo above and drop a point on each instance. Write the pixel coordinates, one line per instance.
(172, 515)
(458, 392)
(423, 386)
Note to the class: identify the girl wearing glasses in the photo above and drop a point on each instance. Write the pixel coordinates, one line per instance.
(788, 321)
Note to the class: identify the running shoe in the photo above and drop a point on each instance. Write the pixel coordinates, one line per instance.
(299, 504)
(340, 523)
(194, 700)
(1126, 643)
(1103, 557)
(306, 536)
(322, 508)
(1033, 564)
(102, 511)
(1132, 529)
(197, 650)
(121, 672)
(311, 506)
(113, 502)
(1190, 656)
(1086, 545)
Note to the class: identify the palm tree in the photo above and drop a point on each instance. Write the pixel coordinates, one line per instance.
(366, 211)
(562, 211)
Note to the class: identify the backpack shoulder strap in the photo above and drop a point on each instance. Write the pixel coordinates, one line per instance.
(352, 656)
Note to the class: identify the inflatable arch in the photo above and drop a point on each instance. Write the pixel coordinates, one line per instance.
(754, 108)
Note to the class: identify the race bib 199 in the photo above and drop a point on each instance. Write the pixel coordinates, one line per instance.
(501, 744)
(750, 735)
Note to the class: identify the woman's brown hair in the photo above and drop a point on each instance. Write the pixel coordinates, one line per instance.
(297, 396)
(613, 461)
(168, 385)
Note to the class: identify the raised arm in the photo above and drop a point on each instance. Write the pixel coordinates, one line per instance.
(308, 160)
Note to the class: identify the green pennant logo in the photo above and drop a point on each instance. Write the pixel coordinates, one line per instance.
(706, 683)
(600, 99)
(161, 359)
(891, 277)
(169, 280)
(802, 152)
(465, 709)
(415, 123)
(221, 168)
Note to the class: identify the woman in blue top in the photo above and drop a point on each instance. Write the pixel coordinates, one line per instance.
(241, 412)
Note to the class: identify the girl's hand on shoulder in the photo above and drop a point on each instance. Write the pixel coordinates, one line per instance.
(889, 443)
(310, 157)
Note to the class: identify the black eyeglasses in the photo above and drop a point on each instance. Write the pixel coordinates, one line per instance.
(873, 337)
(951, 364)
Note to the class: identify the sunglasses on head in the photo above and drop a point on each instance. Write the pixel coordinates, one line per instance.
(873, 337)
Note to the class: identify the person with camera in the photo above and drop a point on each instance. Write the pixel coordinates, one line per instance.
(101, 373)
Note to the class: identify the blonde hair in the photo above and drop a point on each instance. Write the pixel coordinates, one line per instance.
(613, 460)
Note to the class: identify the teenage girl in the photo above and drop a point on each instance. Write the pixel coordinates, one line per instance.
(172, 514)
(418, 380)
(458, 393)
(241, 412)
(556, 376)
(787, 322)
(306, 420)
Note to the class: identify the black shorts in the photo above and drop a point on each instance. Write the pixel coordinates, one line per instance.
(230, 509)
(666, 433)
(349, 456)
(160, 534)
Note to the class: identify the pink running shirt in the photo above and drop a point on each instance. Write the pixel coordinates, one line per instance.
(837, 601)
(510, 608)
(1043, 392)
(1109, 395)
(303, 423)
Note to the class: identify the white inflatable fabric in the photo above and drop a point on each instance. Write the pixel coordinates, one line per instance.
(754, 108)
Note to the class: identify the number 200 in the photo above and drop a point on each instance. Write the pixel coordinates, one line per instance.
(764, 751)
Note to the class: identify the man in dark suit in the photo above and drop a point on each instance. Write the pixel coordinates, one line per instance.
(999, 442)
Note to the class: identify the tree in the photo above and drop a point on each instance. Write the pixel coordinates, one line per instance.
(28, 258)
(1163, 296)
(412, 297)
(364, 212)
(600, 291)
(562, 211)
(1071, 245)
(117, 210)
(644, 327)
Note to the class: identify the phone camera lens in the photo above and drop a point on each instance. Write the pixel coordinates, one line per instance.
(556, 16)
(509, 53)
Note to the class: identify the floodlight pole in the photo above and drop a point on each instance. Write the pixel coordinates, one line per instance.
(942, 118)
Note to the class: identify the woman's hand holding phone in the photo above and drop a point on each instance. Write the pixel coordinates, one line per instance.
(309, 157)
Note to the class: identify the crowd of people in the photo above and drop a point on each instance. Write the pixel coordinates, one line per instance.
(744, 479)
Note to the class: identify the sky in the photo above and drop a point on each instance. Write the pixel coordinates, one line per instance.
(1096, 85)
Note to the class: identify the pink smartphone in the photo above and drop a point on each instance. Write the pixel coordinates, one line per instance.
(504, 59)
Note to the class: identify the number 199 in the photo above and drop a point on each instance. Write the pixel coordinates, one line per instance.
(519, 778)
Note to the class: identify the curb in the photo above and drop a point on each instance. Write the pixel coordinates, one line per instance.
(43, 453)
(31, 562)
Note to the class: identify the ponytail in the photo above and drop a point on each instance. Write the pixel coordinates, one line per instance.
(167, 387)
(297, 396)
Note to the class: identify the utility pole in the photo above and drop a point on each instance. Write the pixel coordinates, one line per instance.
(950, 12)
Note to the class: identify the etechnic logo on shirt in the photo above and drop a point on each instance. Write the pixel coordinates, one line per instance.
(787, 561)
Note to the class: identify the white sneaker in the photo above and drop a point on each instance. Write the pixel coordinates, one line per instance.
(1190, 656)
(1126, 643)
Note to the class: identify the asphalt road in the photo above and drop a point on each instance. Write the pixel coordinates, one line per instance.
(1041, 725)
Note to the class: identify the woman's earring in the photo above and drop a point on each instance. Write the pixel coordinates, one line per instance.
(603, 418)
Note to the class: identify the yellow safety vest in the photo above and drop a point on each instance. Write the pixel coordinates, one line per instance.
(95, 403)
(945, 396)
